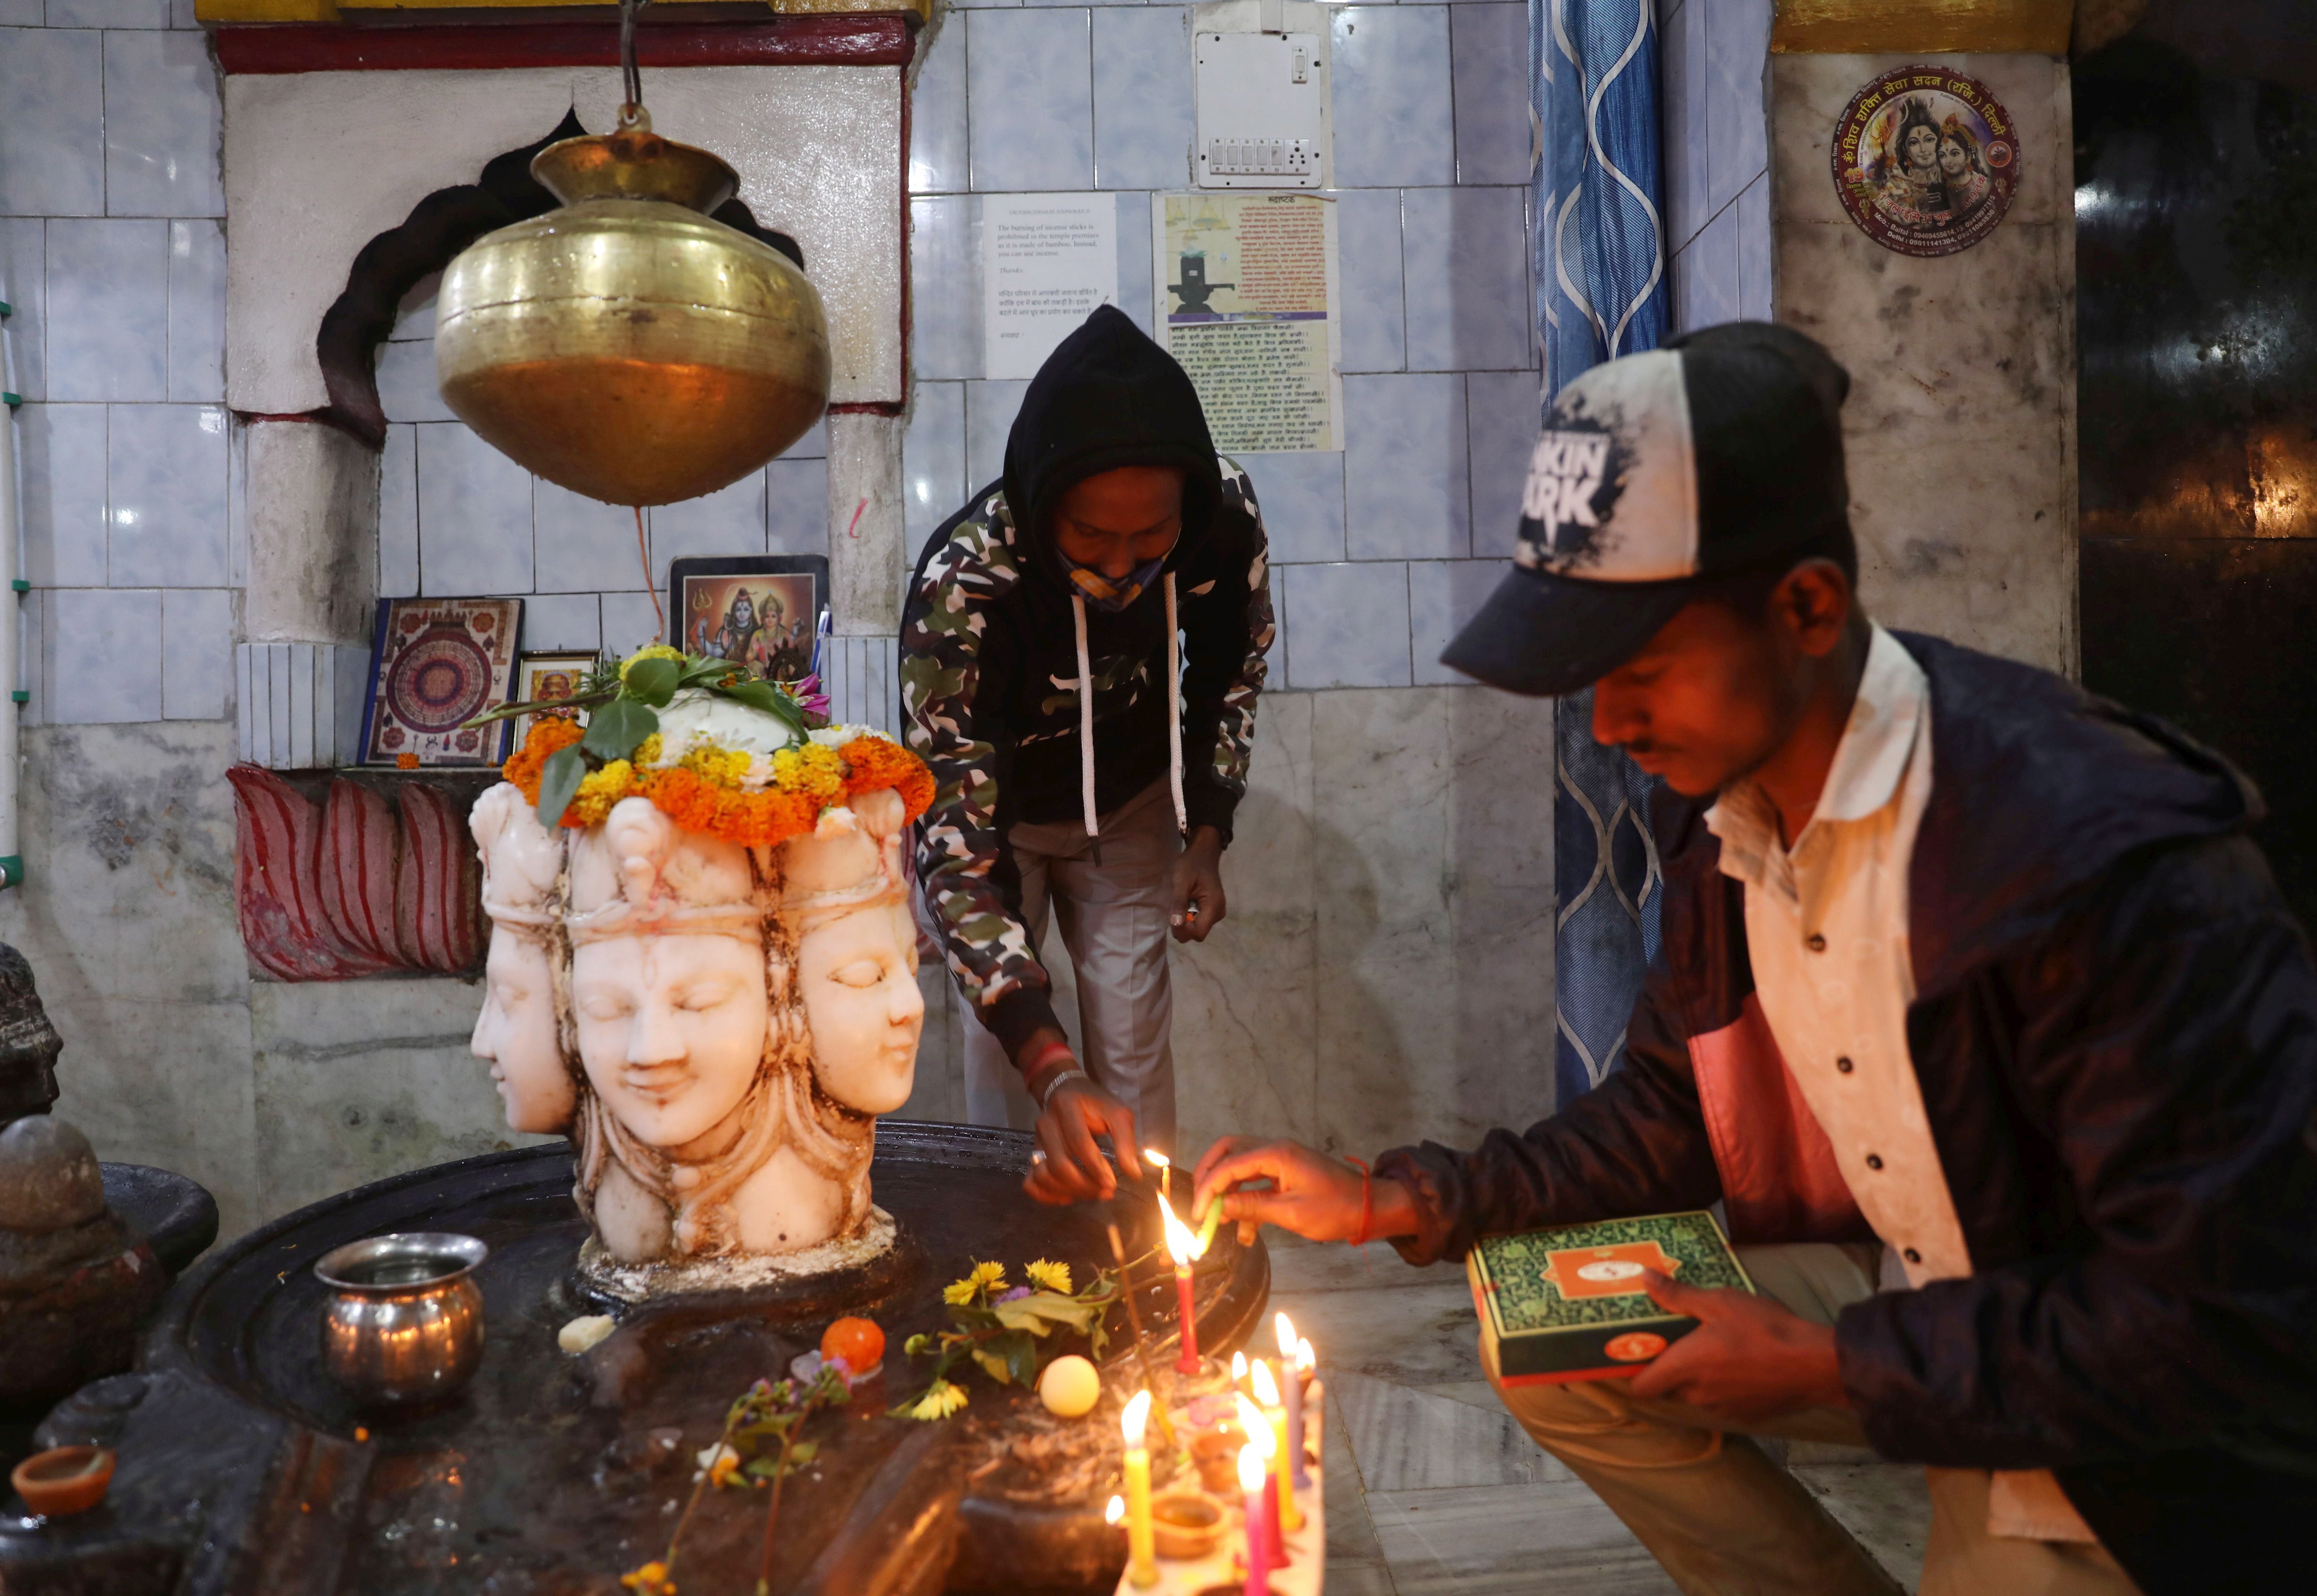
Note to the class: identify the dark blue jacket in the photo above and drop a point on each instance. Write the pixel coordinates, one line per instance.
(2116, 1034)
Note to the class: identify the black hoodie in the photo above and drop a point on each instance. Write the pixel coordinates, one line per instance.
(990, 667)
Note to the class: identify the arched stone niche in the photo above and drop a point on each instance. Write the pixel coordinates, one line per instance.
(335, 145)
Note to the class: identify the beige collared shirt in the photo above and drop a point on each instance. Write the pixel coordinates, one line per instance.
(1827, 930)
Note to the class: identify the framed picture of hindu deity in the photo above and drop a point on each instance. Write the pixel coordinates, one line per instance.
(762, 610)
(540, 677)
(436, 664)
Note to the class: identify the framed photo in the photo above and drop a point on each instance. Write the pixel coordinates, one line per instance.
(762, 610)
(545, 676)
(436, 664)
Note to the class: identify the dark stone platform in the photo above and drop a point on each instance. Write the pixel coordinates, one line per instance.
(244, 1470)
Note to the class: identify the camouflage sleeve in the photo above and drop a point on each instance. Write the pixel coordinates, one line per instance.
(958, 844)
(1224, 674)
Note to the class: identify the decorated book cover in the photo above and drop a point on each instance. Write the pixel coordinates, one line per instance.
(1567, 1303)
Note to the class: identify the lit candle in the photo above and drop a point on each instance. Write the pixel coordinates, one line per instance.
(1183, 1249)
(1207, 1225)
(1166, 1175)
(1238, 1371)
(1266, 1440)
(1286, 1328)
(1305, 1364)
(1141, 1564)
(1266, 1394)
(1251, 1491)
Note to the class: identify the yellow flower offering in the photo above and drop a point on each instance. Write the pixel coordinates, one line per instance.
(1050, 1277)
(939, 1403)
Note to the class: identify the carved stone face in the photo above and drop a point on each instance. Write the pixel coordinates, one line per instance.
(516, 1032)
(858, 976)
(672, 1030)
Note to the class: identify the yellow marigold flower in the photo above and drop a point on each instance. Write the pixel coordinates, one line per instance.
(940, 1402)
(989, 1275)
(811, 771)
(1050, 1277)
(647, 752)
(725, 767)
(656, 652)
(650, 1580)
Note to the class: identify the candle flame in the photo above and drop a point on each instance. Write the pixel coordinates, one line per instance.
(1137, 1414)
(1257, 1427)
(1115, 1510)
(1267, 1389)
(1181, 1244)
(1156, 1157)
(1250, 1469)
(1303, 1358)
(1284, 1328)
(1239, 1369)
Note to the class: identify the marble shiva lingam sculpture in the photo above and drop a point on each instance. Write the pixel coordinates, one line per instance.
(703, 967)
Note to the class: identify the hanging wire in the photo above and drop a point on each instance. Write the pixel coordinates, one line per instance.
(632, 81)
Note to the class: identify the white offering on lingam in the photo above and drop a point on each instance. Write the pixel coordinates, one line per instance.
(725, 952)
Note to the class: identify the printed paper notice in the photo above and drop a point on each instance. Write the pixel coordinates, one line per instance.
(1245, 297)
(1047, 262)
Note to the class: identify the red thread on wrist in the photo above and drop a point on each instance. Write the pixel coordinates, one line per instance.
(1045, 1055)
(1360, 1238)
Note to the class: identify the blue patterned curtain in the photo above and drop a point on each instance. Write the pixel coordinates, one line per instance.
(1599, 271)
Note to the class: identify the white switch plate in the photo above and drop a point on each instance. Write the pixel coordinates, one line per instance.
(1263, 119)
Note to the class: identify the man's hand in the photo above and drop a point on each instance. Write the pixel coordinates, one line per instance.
(1198, 886)
(1314, 1195)
(1749, 1360)
(1073, 1170)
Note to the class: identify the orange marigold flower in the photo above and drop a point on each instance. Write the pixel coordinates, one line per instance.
(874, 763)
(405, 761)
(549, 735)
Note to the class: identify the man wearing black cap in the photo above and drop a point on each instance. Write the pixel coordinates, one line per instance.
(1976, 1010)
(1081, 651)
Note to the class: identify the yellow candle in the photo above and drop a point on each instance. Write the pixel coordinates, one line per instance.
(1142, 1564)
(1267, 1396)
(1165, 1174)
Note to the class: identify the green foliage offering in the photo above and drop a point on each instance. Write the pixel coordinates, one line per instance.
(1006, 1332)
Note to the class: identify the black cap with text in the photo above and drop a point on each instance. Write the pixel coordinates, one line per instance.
(1656, 474)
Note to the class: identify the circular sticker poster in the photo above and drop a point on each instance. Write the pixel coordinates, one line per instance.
(440, 680)
(1926, 160)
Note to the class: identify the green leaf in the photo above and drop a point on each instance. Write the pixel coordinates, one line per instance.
(654, 681)
(1040, 1311)
(614, 730)
(1022, 1359)
(918, 1345)
(761, 1468)
(558, 782)
(698, 672)
(804, 1452)
(992, 1365)
(766, 697)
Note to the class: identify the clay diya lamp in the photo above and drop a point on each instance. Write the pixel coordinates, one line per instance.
(64, 1480)
(1186, 1526)
(1215, 1455)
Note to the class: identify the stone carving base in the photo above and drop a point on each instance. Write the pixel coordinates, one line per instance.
(601, 1274)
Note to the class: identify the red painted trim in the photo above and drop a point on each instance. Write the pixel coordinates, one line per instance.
(870, 407)
(847, 41)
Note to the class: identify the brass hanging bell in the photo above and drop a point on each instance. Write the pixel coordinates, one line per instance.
(627, 346)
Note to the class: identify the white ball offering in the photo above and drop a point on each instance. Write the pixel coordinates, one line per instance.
(1069, 1386)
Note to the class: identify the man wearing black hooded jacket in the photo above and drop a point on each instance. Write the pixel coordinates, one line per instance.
(1081, 649)
(1975, 1008)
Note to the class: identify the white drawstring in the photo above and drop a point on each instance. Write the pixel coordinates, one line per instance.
(1085, 716)
(1174, 710)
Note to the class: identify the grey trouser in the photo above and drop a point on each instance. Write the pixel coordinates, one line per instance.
(1113, 920)
(1723, 1519)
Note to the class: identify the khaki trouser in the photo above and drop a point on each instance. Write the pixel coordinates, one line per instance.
(1113, 918)
(1723, 1519)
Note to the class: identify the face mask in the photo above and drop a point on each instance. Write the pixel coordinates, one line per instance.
(1104, 593)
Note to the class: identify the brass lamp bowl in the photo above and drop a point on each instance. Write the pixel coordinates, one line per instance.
(627, 346)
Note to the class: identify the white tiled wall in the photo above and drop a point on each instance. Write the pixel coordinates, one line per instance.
(1717, 159)
(113, 256)
(1377, 551)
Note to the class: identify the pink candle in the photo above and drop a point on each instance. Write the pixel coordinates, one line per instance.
(1251, 1489)
(1183, 1248)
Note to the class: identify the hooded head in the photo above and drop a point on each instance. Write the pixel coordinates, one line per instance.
(1107, 396)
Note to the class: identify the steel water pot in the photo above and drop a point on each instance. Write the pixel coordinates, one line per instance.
(404, 1324)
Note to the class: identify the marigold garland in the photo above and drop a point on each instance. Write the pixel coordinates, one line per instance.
(702, 792)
